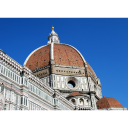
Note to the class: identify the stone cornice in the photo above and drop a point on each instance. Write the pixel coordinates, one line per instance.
(11, 81)
(24, 69)
(40, 99)
(40, 69)
(78, 96)
(63, 70)
(67, 66)
(93, 78)
(39, 82)
(83, 107)
(63, 99)
(10, 61)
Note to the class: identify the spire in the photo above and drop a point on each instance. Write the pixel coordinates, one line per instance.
(53, 37)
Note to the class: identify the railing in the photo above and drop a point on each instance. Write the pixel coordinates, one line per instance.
(84, 107)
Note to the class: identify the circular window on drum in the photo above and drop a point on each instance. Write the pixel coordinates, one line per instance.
(71, 84)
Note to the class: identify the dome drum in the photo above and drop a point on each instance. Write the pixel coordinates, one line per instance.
(43, 72)
(78, 99)
(67, 70)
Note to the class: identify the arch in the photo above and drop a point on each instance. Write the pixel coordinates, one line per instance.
(81, 101)
(73, 101)
(87, 101)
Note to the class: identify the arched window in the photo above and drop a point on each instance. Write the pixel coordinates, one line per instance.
(73, 101)
(87, 102)
(81, 101)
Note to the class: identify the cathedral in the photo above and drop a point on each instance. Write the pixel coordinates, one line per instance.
(53, 77)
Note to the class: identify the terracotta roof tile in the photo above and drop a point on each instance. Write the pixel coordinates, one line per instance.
(108, 102)
(39, 58)
(91, 70)
(74, 94)
(66, 55)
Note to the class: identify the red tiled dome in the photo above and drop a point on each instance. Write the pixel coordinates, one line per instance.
(108, 102)
(66, 55)
(40, 58)
(74, 94)
(63, 55)
(91, 70)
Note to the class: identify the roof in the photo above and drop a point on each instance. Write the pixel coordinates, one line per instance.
(108, 102)
(91, 70)
(75, 93)
(40, 58)
(63, 55)
(66, 55)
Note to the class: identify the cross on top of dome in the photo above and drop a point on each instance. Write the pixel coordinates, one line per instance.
(53, 37)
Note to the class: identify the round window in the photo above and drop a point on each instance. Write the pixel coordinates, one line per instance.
(71, 84)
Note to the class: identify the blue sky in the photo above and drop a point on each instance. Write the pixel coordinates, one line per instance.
(102, 41)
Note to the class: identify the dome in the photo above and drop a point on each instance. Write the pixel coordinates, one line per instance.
(63, 55)
(108, 102)
(67, 55)
(38, 58)
(74, 94)
(56, 53)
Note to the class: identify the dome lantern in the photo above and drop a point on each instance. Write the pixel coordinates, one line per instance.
(53, 37)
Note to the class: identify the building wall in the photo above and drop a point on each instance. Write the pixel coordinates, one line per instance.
(23, 91)
(61, 82)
